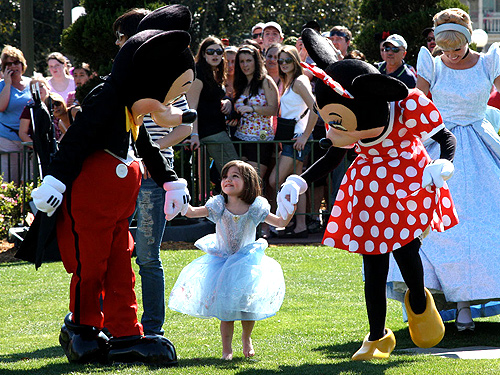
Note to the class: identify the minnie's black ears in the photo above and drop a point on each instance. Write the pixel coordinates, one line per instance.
(318, 48)
(378, 86)
(170, 17)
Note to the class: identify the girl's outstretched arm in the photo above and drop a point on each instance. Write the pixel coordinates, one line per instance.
(278, 221)
(197, 211)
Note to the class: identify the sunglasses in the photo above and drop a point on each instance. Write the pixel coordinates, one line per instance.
(288, 60)
(10, 63)
(211, 51)
(257, 35)
(430, 40)
(393, 49)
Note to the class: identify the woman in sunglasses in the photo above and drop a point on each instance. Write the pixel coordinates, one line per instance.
(257, 101)
(296, 103)
(207, 97)
(14, 95)
(61, 81)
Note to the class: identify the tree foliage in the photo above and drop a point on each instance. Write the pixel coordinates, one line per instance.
(407, 18)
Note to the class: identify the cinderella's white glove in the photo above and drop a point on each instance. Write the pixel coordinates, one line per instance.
(293, 186)
(48, 196)
(176, 198)
(437, 172)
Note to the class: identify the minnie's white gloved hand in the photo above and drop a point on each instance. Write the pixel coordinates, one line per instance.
(288, 195)
(437, 172)
(49, 195)
(176, 198)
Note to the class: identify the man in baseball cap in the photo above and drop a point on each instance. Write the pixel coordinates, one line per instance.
(271, 33)
(257, 33)
(393, 52)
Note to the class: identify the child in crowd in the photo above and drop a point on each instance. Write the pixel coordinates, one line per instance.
(234, 280)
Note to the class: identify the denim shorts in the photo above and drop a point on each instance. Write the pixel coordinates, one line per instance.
(288, 150)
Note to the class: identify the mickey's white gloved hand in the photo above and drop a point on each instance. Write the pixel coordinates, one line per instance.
(176, 198)
(48, 196)
(437, 172)
(293, 186)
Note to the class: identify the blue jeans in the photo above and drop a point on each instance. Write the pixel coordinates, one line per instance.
(150, 227)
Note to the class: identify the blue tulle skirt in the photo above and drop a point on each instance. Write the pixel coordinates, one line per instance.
(247, 285)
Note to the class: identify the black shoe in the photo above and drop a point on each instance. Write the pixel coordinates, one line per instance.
(292, 234)
(145, 349)
(83, 344)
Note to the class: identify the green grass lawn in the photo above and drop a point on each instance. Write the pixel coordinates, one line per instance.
(320, 325)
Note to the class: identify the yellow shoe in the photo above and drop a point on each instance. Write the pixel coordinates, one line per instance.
(426, 329)
(378, 349)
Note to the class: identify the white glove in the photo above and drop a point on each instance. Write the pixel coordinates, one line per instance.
(48, 196)
(293, 186)
(437, 172)
(176, 198)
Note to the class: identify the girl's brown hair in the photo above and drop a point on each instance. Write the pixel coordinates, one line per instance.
(217, 76)
(250, 177)
(297, 68)
(13, 53)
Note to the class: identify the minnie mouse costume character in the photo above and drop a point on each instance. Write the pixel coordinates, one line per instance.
(391, 194)
(97, 170)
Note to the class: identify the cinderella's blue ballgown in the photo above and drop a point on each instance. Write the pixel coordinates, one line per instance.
(235, 280)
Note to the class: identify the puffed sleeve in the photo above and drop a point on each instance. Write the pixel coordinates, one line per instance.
(215, 206)
(425, 65)
(492, 59)
(420, 115)
(259, 210)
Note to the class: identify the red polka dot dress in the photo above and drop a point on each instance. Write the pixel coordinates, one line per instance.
(381, 204)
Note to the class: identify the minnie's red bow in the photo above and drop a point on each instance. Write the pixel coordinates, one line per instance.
(385, 34)
(327, 80)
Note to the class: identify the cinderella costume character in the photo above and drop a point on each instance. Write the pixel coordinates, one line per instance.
(235, 280)
(462, 263)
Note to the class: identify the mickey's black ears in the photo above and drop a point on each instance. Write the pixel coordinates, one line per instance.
(378, 86)
(318, 47)
(170, 17)
(153, 52)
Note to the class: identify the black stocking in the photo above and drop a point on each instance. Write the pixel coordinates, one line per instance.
(376, 268)
(410, 265)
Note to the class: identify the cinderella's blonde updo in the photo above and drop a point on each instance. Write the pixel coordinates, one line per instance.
(450, 39)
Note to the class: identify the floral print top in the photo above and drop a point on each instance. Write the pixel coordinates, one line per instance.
(252, 126)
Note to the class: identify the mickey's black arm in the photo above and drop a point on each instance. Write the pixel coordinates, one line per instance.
(447, 143)
(324, 165)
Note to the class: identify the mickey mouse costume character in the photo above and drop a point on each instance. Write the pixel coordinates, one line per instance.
(391, 194)
(96, 175)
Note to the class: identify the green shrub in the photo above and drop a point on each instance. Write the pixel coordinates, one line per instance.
(11, 205)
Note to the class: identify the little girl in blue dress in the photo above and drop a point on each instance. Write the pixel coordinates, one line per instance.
(235, 280)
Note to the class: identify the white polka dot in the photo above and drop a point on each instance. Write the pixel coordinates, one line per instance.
(388, 233)
(427, 203)
(406, 155)
(379, 216)
(402, 132)
(369, 201)
(348, 223)
(374, 231)
(414, 186)
(349, 207)
(423, 119)
(390, 188)
(365, 171)
(412, 205)
(405, 144)
(377, 160)
(344, 180)
(411, 172)
(404, 234)
(394, 218)
(398, 178)
(381, 172)
(400, 206)
(434, 116)
(354, 201)
(387, 143)
(422, 100)
(364, 216)
(332, 227)
(393, 153)
(424, 219)
(373, 152)
(345, 239)
(400, 119)
(358, 186)
(411, 219)
(411, 123)
(329, 242)
(384, 201)
(353, 246)
(411, 105)
(401, 194)
(369, 246)
(446, 220)
(358, 231)
(394, 163)
(446, 202)
(340, 195)
(396, 246)
(374, 186)
(350, 190)
(353, 173)
(424, 135)
(418, 232)
(383, 248)
(358, 149)
(336, 211)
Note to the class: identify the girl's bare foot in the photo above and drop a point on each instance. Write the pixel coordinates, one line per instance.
(248, 350)
(227, 356)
